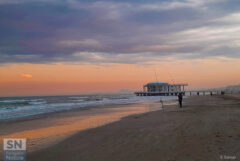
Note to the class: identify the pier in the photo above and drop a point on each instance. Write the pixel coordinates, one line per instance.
(166, 89)
(204, 92)
(185, 93)
(157, 93)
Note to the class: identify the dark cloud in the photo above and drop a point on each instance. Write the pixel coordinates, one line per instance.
(114, 31)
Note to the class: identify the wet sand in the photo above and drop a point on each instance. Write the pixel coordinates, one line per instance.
(206, 129)
(46, 130)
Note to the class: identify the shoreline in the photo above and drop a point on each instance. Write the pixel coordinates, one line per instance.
(18, 115)
(51, 128)
(206, 128)
(48, 114)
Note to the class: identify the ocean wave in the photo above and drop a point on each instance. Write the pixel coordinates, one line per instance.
(53, 104)
(13, 101)
(37, 102)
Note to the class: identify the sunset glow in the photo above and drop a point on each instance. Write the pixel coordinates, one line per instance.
(54, 79)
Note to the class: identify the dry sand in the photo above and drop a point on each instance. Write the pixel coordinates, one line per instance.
(204, 130)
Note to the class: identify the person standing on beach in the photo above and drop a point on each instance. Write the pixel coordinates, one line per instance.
(180, 99)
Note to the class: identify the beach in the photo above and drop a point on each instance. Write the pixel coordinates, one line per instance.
(42, 131)
(206, 128)
(119, 80)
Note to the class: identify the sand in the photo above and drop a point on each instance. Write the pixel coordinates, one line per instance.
(206, 129)
(46, 130)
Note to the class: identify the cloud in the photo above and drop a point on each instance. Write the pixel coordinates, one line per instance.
(231, 18)
(103, 58)
(84, 43)
(26, 76)
(174, 5)
(23, 1)
(117, 31)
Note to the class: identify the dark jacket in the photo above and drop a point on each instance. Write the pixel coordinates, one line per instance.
(180, 96)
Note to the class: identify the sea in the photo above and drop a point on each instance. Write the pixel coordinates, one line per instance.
(19, 107)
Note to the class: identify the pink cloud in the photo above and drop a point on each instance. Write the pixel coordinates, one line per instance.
(26, 75)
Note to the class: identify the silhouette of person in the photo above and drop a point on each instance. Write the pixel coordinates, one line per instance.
(180, 99)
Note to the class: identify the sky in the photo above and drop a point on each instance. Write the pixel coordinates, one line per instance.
(50, 47)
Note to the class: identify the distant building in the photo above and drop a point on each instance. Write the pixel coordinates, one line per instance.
(161, 88)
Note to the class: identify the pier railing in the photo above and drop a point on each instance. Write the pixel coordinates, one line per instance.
(175, 93)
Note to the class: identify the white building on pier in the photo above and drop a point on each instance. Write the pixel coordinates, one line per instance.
(161, 88)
